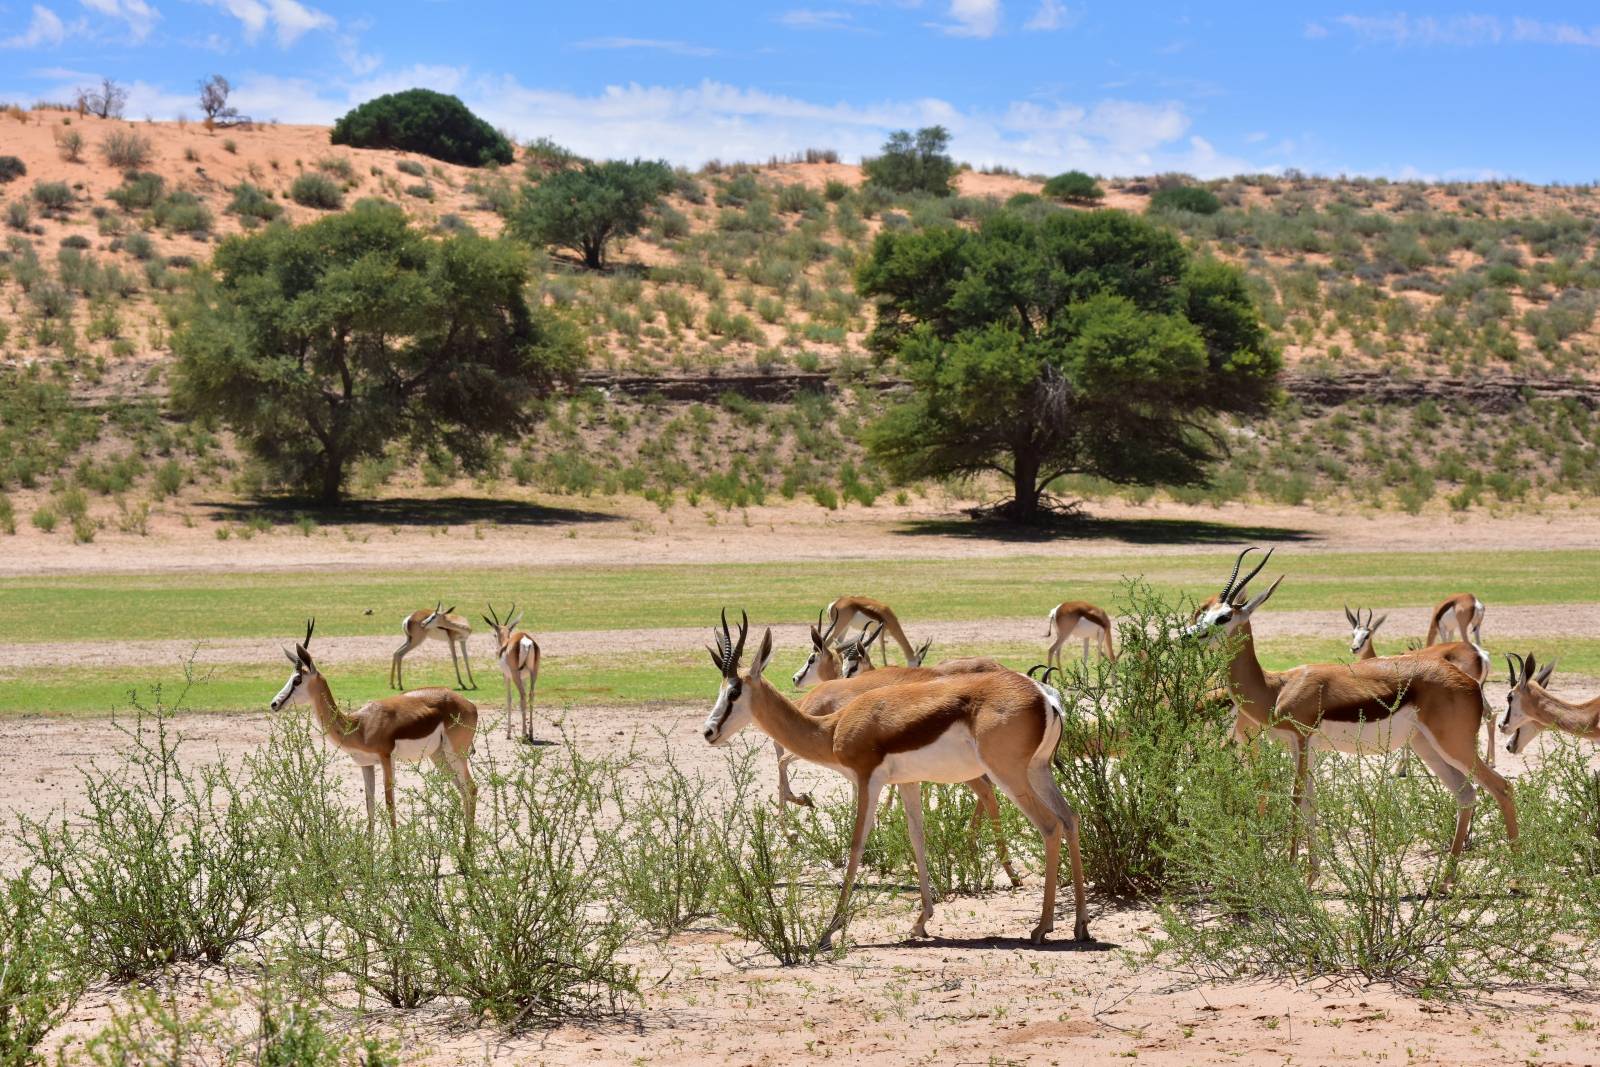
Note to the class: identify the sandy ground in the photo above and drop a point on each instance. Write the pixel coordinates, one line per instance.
(975, 993)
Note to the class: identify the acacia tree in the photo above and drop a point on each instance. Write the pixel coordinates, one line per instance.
(105, 101)
(914, 163)
(214, 102)
(1082, 342)
(319, 345)
(588, 208)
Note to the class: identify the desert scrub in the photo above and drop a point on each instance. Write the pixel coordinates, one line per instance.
(39, 976)
(252, 204)
(126, 149)
(318, 191)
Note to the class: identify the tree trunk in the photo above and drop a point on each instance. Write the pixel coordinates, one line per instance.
(332, 477)
(1025, 486)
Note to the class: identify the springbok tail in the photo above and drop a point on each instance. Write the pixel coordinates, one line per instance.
(1050, 622)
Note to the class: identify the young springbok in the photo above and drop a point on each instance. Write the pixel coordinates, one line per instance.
(441, 625)
(1530, 707)
(518, 655)
(437, 723)
(954, 729)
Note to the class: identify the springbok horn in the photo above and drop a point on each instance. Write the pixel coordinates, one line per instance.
(744, 631)
(1247, 578)
(1227, 587)
(311, 624)
(725, 642)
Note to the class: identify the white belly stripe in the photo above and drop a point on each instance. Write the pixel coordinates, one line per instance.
(951, 757)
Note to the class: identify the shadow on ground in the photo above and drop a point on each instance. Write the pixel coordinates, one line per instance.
(1088, 528)
(407, 511)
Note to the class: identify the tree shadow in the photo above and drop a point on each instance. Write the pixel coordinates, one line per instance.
(406, 511)
(1051, 944)
(1088, 528)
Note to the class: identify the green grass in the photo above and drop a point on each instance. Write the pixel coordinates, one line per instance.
(633, 678)
(273, 605)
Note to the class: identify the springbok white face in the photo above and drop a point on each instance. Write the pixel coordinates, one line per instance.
(1519, 724)
(733, 710)
(1231, 610)
(295, 690)
(821, 666)
(1361, 629)
(920, 654)
(856, 656)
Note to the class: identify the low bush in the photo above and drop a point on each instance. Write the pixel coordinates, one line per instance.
(429, 123)
(53, 196)
(1194, 199)
(11, 168)
(1074, 187)
(140, 190)
(251, 204)
(318, 191)
(126, 149)
(39, 977)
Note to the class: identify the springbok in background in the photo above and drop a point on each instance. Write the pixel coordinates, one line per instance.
(1458, 618)
(1530, 708)
(847, 611)
(1077, 619)
(1366, 707)
(518, 655)
(423, 723)
(953, 729)
(441, 625)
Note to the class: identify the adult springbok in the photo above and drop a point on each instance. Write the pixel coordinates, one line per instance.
(1530, 707)
(953, 729)
(423, 723)
(1459, 617)
(518, 655)
(441, 625)
(1366, 707)
(847, 611)
(1077, 619)
(1464, 656)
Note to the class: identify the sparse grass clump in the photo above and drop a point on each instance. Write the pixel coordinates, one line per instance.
(126, 149)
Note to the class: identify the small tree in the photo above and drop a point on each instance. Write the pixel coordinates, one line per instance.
(320, 345)
(105, 101)
(586, 209)
(421, 120)
(214, 102)
(1074, 187)
(1079, 342)
(912, 164)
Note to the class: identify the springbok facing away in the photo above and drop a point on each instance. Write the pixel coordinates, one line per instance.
(954, 729)
(436, 723)
(847, 611)
(439, 624)
(518, 655)
(1078, 619)
(1464, 656)
(1531, 708)
(1366, 707)
(1459, 617)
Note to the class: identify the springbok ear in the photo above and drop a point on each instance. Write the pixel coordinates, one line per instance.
(1530, 669)
(1373, 627)
(1262, 599)
(1543, 677)
(818, 642)
(290, 657)
(763, 655)
(305, 657)
(716, 660)
(1240, 595)
(491, 623)
(516, 620)
(1351, 619)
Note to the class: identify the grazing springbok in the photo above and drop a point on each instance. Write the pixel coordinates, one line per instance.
(518, 655)
(441, 625)
(1366, 707)
(1077, 619)
(953, 729)
(1465, 656)
(423, 723)
(847, 611)
(1459, 618)
(1530, 707)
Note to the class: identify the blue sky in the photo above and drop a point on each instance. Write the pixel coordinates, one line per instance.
(1218, 88)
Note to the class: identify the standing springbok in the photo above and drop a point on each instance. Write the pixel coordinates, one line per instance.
(1464, 656)
(1460, 616)
(955, 729)
(1530, 708)
(1082, 620)
(518, 655)
(439, 624)
(847, 611)
(437, 723)
(1366, 707)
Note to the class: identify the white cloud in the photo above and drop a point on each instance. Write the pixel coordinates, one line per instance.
(1536, 32)
(139, 16)
(290, 20)
(1458, 30)
(680, 48)
(1053, 15)
(809, 19)
(45, 28)
(972, 18)
(1315, 31)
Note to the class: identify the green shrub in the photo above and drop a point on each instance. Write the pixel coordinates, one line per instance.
(411, 167)
(1075, 187)
(19, 216)
(39, 978)
(429, 123)
(11, 168)
(182, 212)
(318, 191)
(53, 196)
(75, 241)
(126, 149)
(140, 190)
(911, 164)
(8, 515)
(1194, 199)
(251, 203)
(421, 190)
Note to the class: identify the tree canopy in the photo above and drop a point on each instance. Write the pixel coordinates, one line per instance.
(912, 164)
(588, 208)
(421, 120)
(321, 344)
(1074, 186)
(1079, 342)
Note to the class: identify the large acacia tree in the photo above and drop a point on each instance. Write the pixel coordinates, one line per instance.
(1075, 342)
(319, 345)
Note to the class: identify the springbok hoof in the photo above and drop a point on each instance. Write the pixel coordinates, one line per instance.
(1080, 933)
(1016, 879)
(919, 932)
(1037, 937)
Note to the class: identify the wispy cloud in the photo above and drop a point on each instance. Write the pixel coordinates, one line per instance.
(679, 48)
(289, 19)
(972, 18)
(802, 18)
(1053, 15)
(139, 16)
(1402, 29)
(44, 29)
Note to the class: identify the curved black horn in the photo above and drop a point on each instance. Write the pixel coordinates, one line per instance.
(1227, 587)
(725, 642)
(1037, 667)
(744, 631)
(311, 624)
(1247, 578)
(1511, 662)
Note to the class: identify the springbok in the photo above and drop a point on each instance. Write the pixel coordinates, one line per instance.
(847, 611)
(518, 655)
(1455, 617)
(1530, 707)
(422, 723)
(954, 729)
(1366, 707)
(439, 624)
(1083, 621)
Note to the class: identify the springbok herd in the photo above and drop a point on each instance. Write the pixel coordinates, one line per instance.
(975, 721)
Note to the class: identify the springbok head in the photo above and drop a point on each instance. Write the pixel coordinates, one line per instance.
(733, 710)
(1230, 609)
(855, 655)
(1525, 712)
(294, 690)
(823, 663)
(502, 630)
(1361, 630)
